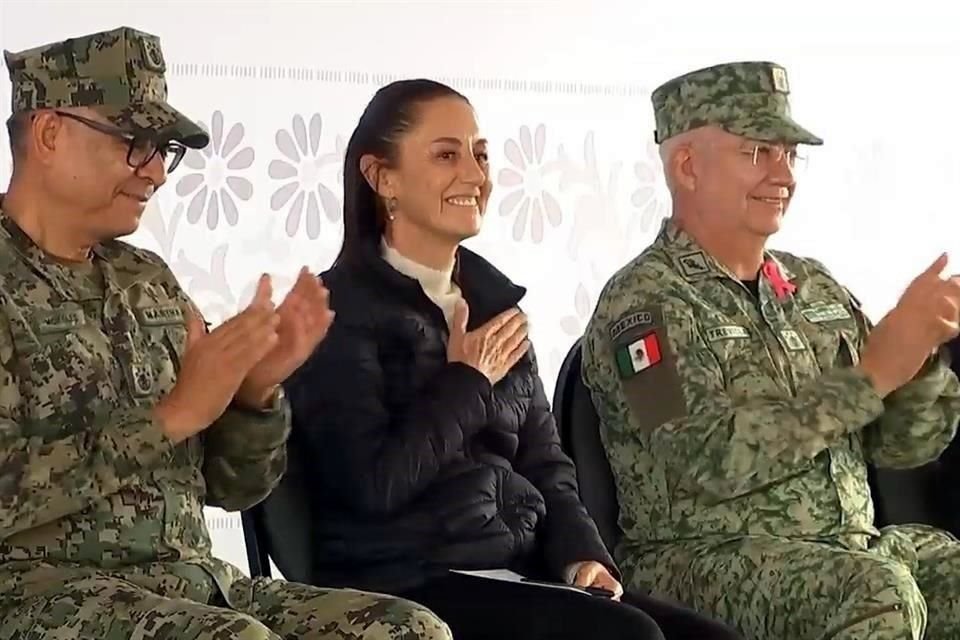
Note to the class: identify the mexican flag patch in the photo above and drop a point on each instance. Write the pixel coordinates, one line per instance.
(640, 354)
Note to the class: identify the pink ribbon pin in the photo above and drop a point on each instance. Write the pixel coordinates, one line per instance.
(781, 286)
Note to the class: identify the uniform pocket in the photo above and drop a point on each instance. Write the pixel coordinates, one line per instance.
(62, 371)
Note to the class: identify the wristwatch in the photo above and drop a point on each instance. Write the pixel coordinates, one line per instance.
(277, 402)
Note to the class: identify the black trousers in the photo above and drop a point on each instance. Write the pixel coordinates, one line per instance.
(481, 609)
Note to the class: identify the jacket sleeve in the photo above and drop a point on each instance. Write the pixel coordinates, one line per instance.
(43, 480)
(920, 418)
(679, 410)
(568, 534)
(376, 460)
(245, 455)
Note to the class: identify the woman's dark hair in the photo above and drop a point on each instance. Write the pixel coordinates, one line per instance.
(391, 113)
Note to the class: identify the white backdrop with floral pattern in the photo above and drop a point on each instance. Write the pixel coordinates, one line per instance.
(562, 91)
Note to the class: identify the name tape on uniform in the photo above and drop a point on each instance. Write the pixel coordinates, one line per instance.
(825, 312)
(726, 332)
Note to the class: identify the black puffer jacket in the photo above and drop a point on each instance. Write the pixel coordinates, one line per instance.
(416, 465)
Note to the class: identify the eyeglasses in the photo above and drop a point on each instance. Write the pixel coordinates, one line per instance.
(767, 155)
(141, 150)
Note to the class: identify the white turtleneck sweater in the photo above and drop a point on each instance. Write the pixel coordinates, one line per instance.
(437, 285)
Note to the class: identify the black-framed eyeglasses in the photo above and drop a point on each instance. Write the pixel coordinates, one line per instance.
(141, 150)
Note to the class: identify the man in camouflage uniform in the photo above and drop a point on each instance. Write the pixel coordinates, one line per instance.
(120, 416)
(742, 393)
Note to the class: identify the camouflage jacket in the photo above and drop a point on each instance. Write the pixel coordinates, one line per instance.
(724, 413)
(87, 478)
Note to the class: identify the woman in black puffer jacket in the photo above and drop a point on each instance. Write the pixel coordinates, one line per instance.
(427, 437)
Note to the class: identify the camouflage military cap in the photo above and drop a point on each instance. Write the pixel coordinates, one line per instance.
(745, 98)
(120, 73)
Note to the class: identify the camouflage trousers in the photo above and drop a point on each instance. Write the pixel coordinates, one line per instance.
(906, 586)
(87, 604)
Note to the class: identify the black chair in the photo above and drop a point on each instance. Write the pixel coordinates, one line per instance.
(902, 496)
(579, 428)
(946, 480)
(255, 540)
(279, 529)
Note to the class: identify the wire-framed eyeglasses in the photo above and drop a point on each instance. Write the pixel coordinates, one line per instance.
(767, 155)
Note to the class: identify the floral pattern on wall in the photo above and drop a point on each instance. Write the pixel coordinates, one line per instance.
(528, 199)
(299, 170)
(217, 180)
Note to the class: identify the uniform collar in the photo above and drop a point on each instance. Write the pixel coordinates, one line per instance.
(693, 263)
